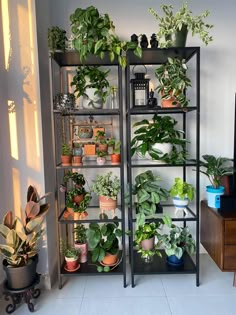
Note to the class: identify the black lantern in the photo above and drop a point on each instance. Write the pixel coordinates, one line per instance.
(140, 88)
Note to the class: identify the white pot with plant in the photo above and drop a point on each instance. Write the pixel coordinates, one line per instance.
(182, 192)
(107, 188)
(91, 83)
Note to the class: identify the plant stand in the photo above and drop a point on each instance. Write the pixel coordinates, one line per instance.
(25, 294)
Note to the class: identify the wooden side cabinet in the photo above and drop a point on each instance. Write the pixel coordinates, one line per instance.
(218, 236)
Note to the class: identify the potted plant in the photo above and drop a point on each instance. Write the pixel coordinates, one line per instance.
(107, 188)
(101, 157)
(66, 155)
(176, 242)
(115, 155)
(72, 259)
(159, 138)
(182, 192)
(91, 83)
(215, 168)
(149, 194)
(101, 141)
(22, 239)
(77, 178)
(103, 241)
(94, 33)
(174, 27)
(81, 242)
(173, 82)
(145, 240)
(77, 201)
(56, 39)
(77, 154)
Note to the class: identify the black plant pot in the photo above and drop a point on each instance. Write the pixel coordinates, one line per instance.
(20, 277)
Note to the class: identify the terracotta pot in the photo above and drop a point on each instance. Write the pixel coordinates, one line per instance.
(106, 203)
(80, 215)
(115, 158)
(110, 259)
(148, 244)
(83, 252)
(71, 263)
(66, 160)
(77, 160)
(102, 147)
(168, 103)
(78, 199)
(89, 149)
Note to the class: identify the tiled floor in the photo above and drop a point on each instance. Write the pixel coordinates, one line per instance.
(154, 295)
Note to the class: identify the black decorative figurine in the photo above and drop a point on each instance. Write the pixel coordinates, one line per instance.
(152, 101)
(144, 41)
(134, 38)
(153, 41)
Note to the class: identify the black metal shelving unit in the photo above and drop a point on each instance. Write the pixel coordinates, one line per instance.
(59, 63)
(157, 57)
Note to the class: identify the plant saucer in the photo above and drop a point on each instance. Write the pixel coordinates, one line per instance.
(110, 265)
(72, 270)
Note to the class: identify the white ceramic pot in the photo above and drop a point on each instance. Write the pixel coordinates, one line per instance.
(179, 203)
(91, 100)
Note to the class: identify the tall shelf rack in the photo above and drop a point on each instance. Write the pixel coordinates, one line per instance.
(158, 265)
(60, 64)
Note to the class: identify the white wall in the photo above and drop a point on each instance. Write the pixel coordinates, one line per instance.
(21, 138)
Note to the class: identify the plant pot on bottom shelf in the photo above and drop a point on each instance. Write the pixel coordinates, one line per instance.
(174, 260)
(83, 252)
(21, 277)
(109, 259)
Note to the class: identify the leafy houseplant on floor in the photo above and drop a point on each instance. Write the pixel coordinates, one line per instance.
(176, 242)
(173, 82)
(22, 239)
(56, 39)
(94, 33)
(103, 240)
(215, 168)
(174, 27)
(182, 192)
(145, 240)
(160, 139)
(107, 188)
(148, 194)
(91, 83)
(81, 242)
